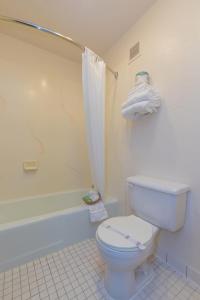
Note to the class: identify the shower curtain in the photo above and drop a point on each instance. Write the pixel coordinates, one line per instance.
(93, 70)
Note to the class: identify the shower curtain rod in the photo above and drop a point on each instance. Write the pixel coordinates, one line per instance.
(51, 32)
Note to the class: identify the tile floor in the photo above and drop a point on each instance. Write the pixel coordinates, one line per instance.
(76, 273)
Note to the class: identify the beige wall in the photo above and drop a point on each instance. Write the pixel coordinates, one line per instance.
(41, 118)
(167, 144)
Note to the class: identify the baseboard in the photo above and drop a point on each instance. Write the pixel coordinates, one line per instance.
(193, 275)
(29, 256)
(189, 273)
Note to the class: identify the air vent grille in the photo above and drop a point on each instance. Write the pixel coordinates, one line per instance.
(134, 51)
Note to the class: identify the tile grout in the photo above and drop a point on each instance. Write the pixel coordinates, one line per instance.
(76, 273)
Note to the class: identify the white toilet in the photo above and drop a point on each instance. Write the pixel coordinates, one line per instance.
(126, 243)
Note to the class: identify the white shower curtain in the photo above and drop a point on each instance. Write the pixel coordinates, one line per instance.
(93, 70)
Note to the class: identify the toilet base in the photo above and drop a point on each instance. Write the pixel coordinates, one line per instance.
(142, 280)
(127, 285)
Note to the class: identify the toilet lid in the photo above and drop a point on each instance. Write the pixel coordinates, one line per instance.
(125, 233)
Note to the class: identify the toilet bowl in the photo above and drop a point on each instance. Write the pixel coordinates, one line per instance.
(125, 243)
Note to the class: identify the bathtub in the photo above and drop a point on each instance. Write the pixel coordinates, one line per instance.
(35, 226)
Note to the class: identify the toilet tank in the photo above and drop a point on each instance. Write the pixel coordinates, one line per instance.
(161, 203)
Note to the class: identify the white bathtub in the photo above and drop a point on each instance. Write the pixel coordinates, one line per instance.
(35, 226)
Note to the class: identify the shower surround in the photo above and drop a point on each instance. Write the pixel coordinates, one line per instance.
(42, 118)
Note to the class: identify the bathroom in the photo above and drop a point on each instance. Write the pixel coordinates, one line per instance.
(59, 148)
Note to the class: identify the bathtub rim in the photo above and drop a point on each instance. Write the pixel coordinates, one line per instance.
(58, 213)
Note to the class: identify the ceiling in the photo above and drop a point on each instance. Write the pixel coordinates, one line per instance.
(95, 23)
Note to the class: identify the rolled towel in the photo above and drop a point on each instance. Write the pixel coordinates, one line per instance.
(135, 110)
(146, 94)
(139, 88)
(143, 98)
(97, 212)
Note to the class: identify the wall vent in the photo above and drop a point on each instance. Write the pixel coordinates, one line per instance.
(134, 51)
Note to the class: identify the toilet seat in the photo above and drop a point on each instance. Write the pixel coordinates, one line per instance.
(124, 233)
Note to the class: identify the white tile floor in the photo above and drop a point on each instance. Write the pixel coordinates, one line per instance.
(76, 273)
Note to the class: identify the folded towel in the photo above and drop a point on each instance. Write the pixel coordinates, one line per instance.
(146, 94)
(142, 98)
(97, 212)
(135, 110)
(139, 88)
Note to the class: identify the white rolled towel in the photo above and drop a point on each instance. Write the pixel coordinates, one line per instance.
(135, 110)
(143, 98)
(147, 93)
(97, 212)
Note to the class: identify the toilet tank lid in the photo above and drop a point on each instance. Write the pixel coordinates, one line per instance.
(164, 186)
